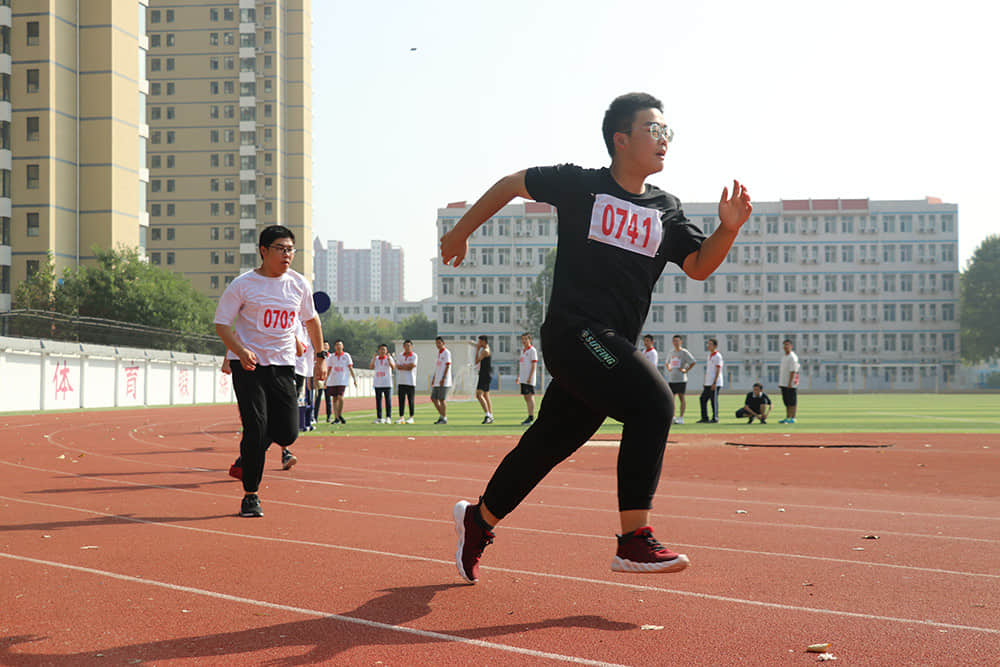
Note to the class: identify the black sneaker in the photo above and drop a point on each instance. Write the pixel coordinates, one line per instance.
(750, 421)
(473, 538)
(714, 421)
(703, 421)
(441, 420)
(487, 420)
(763, 421)
(251, 506)
(287, 459)
(528, 420)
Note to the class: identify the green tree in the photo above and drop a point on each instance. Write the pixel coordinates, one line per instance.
(418, 327)
(537, 302)
(120, 290)
(980, 303)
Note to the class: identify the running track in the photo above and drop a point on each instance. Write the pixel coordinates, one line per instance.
(119, 545)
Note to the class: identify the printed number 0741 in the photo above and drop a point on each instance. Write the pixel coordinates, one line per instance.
(632, 231)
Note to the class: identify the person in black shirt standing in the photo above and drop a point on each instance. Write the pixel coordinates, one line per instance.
(616, 234)
(484, 359)
(756, 404)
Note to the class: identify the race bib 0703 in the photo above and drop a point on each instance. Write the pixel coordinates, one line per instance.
(276, 319)
(625, 225)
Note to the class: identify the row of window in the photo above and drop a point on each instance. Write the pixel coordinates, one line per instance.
(214, 185)
(227, 136)
(215, 209)
(227, 233)
(507, 256)
(806, 344)
(921, 223)
(830, 283)
(215, 14)
(168, 161)
(808, 313)
(863, 253)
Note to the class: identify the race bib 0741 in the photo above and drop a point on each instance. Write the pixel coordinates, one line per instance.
(625, 225)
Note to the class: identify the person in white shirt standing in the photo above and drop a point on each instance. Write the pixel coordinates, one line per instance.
(789, 382)
(441, 382)
(678, 364)
(649, 351)
(383, 365)
(406, 379)
(304, 367)
(341, 368)
(714, 381)
(256, 318)
(526, 366)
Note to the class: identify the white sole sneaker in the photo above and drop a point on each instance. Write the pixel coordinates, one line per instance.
(620, 564)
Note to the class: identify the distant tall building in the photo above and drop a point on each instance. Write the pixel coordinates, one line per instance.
(374, 274)
(72, 133)
(230, 134)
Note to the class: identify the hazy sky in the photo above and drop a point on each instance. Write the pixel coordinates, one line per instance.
(885, 100)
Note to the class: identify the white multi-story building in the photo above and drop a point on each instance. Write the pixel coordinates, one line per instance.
(866, 289)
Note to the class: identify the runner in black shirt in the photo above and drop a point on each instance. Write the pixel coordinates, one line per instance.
(616, 234)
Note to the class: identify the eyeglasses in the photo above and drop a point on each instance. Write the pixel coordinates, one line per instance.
(283, 249)
(658, 131)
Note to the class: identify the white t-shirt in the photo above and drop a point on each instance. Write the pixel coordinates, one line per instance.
(339, 369)
(443, 368)
(652, 355)
(525, 372)
(383, 373)
(265, 312)
(789, 364)
(406, 377)
(714, 362)
(305, 365)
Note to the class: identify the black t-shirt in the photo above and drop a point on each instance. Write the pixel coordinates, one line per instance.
(755, 402)
(607, 258)
(486, 368)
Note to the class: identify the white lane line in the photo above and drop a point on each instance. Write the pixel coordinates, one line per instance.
(426, 634)
(530, 573)
(410, 519)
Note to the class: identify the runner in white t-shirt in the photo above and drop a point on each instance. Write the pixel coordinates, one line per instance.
(384, 366)
(341, 370)
(788, 382)
(406, 379)
(442, 380)
(714, 380)
(256, 318)
(526, 365)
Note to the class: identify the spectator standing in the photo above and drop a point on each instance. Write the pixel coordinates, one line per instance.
(714, 380)
(678, 364)
(789, 382)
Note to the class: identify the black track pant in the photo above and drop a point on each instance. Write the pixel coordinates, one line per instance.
(708, 397)
(596, 374)
(269, 411)
(383, 394)
(406, 393)
(321, 395)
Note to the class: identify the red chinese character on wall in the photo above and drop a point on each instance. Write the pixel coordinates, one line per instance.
(183, 387)
(131, 381)
(61, 380)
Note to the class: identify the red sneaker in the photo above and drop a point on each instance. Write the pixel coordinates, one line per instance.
(473, 537)
(640, 552)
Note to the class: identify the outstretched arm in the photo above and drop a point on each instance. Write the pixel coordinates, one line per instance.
(733, 212)
(455, 244)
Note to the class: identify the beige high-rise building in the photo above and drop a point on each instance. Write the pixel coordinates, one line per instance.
(72, 133)
(230, 134)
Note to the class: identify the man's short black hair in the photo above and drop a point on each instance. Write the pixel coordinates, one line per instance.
(484, 338)
(787, 340)
(677, 336)
(270, 234)
(338, 341)
(758, 384)
(407, 341)
(439, 338)
(714, 341)
(649, 336)
(621, 113)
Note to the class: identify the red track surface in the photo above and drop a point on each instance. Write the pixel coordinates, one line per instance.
(120, 544)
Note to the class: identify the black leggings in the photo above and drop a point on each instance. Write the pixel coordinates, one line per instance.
(406, 393)
(269, 411)
(596, 374)
(321, 395)
(383, 393)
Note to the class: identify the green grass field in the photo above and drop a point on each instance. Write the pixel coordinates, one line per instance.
(821, 413)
